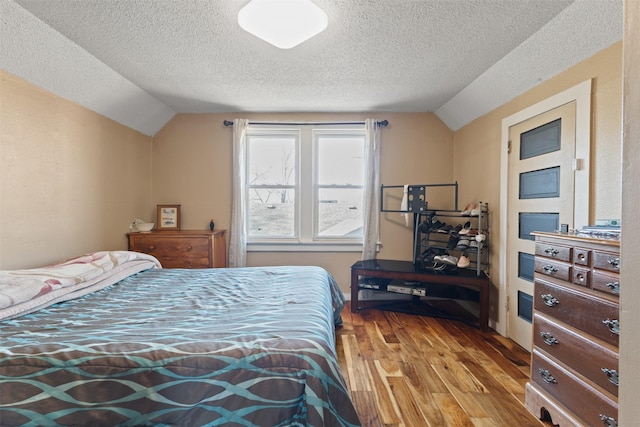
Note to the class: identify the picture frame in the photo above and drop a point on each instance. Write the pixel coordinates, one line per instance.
(168, 217)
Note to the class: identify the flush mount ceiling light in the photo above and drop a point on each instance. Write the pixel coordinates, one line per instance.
(283, 23)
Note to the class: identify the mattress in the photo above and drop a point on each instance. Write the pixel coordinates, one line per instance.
(242, 347)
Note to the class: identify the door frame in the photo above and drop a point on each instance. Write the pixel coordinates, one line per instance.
(581, 94)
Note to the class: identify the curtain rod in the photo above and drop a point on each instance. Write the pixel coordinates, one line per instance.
(380, 123)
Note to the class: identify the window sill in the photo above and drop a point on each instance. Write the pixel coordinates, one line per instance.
(305, 247)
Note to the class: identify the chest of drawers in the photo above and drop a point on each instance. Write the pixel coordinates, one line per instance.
(574, 364)
(184, 248)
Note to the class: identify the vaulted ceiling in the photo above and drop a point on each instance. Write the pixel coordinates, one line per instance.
(140, 62)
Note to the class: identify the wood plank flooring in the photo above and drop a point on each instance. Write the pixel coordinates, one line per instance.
(410, 370)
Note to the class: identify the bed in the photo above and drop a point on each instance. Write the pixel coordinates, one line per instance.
(111, 338)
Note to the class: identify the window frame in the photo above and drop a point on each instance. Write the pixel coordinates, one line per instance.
(306, 187)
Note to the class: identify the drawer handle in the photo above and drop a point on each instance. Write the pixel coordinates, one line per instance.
(151, 247)
(547, 377)
(582, 256)
(608, 421)
(189, 248)
(613, 325)
(615, 263)
(612, 375)
(549, 269)
(549, 300)
(548, 338)
(551, 251)
(614, 286)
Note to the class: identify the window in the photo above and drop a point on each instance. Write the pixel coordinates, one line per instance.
(305, 187)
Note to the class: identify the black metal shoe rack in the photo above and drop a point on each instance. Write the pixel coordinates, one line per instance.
(435, 237)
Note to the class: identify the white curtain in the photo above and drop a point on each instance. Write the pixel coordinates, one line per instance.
(238, 235)
(371, 205)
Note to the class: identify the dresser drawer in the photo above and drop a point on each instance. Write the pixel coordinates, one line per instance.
(559, 270)
(581, 276)
(584, 400)
(609, 283)
(172, 262)
(594, 360)
(582, 256)
(182, 248)
(593, 315)
(551, 250)
(606, 261)
(192, 247)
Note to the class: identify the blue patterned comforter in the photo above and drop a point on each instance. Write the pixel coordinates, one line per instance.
(240, 347)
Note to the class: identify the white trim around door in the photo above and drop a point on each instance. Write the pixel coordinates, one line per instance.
(581, 94)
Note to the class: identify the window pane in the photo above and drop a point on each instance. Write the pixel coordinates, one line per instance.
(340, 213)
(340, 160)
(271, 212)
(272, 160)
(541, 140)
(540, 184)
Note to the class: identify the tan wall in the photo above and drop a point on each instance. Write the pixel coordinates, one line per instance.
(192, 167)
(70, 179)
(477, 145)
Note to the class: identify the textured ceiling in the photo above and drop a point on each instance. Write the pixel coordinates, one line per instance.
(141, 61)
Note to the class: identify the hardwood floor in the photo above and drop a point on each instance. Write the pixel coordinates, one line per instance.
(410, 370)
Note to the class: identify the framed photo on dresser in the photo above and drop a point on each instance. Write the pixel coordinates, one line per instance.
(168, 217)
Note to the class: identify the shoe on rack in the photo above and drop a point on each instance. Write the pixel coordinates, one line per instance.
(437, 225)
(465, 229)
(464, 261)
(475, 210)
(449, 259)
(463, 244)
(467, 210)
(446, 229)
(453, 242)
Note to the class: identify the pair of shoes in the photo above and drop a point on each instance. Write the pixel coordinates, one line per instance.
(465, 229)
(447, 259)
(467, 210)
(464, 261)
(472, 209)
(463, 244)
(446, 229)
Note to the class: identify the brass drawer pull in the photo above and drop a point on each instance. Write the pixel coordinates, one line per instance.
(547, 377)
(548, 338)
(612, 375)
(608, 421)
(614, 286)
(549, 269)
(615, 263)
(613, 325)
(549, 300)
(551, 251)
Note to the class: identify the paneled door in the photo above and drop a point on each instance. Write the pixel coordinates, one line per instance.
(540, 197)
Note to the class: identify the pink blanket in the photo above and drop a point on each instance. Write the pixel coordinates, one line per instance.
(25, 291)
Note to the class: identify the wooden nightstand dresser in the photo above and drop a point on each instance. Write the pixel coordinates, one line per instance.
(184, 248)
(574, 364)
